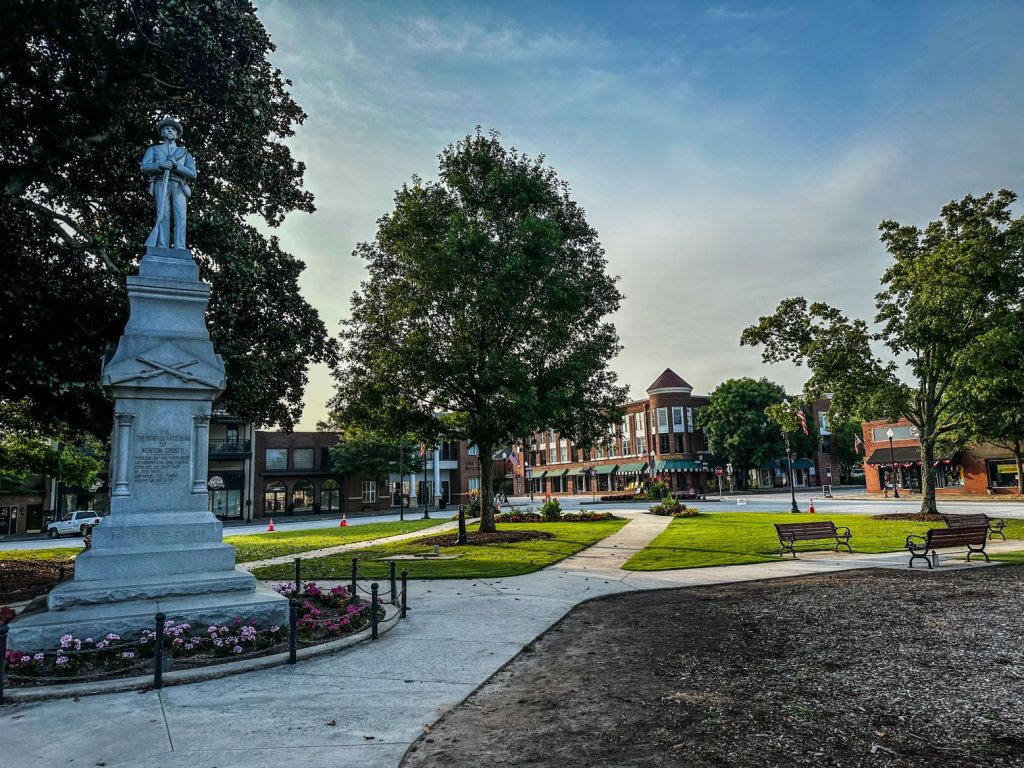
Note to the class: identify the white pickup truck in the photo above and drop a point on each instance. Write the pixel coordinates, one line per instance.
(73, 522)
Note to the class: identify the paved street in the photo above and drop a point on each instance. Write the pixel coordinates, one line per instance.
(378, 696)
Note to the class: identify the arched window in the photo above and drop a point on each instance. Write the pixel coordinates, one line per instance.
(302, 496)
(330, 496)
(275, 496)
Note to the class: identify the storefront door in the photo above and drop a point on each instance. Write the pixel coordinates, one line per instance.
(8, 520)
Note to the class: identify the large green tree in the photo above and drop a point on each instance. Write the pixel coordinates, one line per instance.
(736, 426)
(484, 313)
(81, 82)
(992, 396)
(27, 450)
(945, 289)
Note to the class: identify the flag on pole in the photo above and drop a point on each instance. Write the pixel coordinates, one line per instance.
(514, 458)
(423, 449)
(858, 445)
(803, 420)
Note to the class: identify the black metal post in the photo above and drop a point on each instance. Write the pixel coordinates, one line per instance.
(354, 593)
(405, 592)
(394, 582)
(895, 484)
(794, 509)
(401, 496)
(426, 496)
(3, 655)
(298, 575)
(293, 629)
(60, 574)
(158, 653)
(373, 611)
(463, 539)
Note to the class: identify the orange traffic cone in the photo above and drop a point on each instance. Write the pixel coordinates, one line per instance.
(344, 520)
(271, 526)
(810, 507)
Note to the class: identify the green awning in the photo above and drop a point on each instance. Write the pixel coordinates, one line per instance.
(676, 465)
(605, 469)
(538, 477)
(638, 466)
(770, 464)
(801, 463)
(574, 471)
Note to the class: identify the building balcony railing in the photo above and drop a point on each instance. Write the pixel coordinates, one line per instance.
(226, 447)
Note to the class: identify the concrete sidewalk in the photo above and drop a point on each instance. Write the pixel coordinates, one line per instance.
(379, 695)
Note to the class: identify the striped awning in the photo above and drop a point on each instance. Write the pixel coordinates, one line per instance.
(636, 467)
(676, 465)
(605, 469)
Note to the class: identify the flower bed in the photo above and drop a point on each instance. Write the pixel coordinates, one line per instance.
(583, 516)
(323, 615)
(672, 507)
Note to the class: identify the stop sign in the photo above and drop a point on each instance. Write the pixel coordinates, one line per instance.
(718, 471)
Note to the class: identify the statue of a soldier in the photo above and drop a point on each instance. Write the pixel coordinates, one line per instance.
(170, 168)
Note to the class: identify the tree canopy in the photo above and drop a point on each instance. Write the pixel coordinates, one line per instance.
(483, 315)
(735, 424)
(25, 451)
(81, 84)
(947, 287)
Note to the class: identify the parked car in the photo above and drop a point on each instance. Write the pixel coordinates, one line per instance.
(73, 522)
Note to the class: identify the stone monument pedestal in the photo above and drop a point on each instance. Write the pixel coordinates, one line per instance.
(161, 549)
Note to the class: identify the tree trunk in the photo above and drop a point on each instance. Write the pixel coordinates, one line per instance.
(927, 477)
(487, 524)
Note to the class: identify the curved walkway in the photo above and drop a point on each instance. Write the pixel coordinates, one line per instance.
(366, 706)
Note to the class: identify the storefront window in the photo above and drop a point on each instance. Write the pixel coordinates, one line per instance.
(330, 496)
(274, 496)
(949, 475)
(1002, 473)
(302, 496)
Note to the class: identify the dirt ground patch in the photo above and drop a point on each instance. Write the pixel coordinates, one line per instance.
(863, 668)
(25, 579)
(916, 517)
(476, 537)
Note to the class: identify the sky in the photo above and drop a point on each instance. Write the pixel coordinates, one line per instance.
(729, 155)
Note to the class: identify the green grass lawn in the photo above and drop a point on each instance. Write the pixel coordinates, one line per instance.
(490, 560)
(1016, 558)
(733, 538)
(58, 553)
(260, 546)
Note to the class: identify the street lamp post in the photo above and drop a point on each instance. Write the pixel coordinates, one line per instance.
(728, 471)
(426, 496)
(700, 475)
(789, 466)
(528, 479)
(401, 496)
(895, 485)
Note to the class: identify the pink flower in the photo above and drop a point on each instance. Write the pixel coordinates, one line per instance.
(62, 661)
(237, 649)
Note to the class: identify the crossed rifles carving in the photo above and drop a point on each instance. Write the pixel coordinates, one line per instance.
(175, 370)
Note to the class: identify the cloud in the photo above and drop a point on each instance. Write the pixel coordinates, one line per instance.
(724, 12)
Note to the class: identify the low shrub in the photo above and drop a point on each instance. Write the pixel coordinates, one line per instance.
(585, 515)
(672, 507)
(517, 516)
(619, 497)
(551, 510)
(659, 490)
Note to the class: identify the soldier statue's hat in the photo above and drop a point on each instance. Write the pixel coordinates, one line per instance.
(168, 120)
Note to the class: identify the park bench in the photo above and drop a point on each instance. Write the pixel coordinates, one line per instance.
(790, 533)
(971, 536)
(995, 524)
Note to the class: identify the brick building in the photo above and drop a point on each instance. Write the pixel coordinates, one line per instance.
(983, 469)
(657, 436)
(293, 476)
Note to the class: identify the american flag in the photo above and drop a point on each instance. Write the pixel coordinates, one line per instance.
(514, 458)
(423, 449)
(803, 420)
(858, 445)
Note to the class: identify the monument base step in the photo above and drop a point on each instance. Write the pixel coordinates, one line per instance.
(43, 630)
(94, 591)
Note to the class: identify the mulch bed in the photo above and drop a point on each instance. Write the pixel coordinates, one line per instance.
(25, 579)
(912, 517)
(852, 669)
(476, 537)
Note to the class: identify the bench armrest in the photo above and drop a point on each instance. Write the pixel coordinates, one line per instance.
(842, 530)
(996, 522)
(916, 544)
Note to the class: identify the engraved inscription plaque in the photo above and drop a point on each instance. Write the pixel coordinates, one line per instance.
(161, 459)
